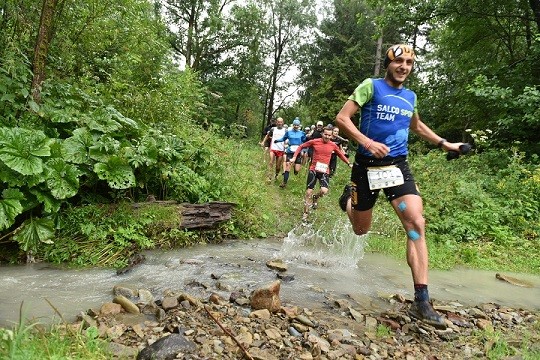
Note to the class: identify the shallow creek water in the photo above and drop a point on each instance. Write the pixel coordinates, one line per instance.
(322, 266)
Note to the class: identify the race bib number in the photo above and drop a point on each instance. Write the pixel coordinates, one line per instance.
(384, 177)
(293, 148)
(321, 167)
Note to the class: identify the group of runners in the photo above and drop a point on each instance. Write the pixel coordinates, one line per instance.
(388, 111)
(318, 146)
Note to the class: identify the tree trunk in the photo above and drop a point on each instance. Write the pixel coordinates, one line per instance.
(42, 46)
(378, 56)
(535, 6)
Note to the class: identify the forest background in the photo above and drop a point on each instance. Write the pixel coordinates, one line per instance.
(104, 103)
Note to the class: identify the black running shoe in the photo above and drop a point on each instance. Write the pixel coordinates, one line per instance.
(422, 310)
(345, 197)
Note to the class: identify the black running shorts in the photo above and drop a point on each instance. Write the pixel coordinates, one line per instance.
(362, 197)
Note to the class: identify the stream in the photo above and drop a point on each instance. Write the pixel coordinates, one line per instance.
(322, 266)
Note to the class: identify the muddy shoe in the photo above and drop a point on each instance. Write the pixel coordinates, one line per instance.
(423, 311)
(283, 185)
(345, 197)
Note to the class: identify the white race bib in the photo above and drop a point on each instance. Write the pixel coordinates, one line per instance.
(384, 177)
(293, 148)
(321, 167)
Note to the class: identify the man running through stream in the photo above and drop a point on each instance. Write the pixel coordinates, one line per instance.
(319, 169)
(388, 110)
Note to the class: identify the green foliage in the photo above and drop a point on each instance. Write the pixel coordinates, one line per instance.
(484, 217)
(15, 76)
(77, 143)
(105, 235)
(234, 103)
(497, 346)
(33, 231)
(517, 116)
(117, 172)
(119, 120)
(59, 342)
(10, 206)
(383, 331)
(497, 207)
(340, 56)
(108, 235)
(22, 150)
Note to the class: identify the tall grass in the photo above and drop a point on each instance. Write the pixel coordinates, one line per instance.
(33, 340)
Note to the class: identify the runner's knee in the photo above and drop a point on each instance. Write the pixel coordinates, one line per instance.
(415, 227)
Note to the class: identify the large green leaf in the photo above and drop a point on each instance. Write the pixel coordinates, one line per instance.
(22, 149)
(51, 204)
(11, 178)
(77, 146)
(117, 173)
(64, 115)
(109, 120)
(62, 178)
(103, 148)
(10, 207)
(124, 121)
(33, 232)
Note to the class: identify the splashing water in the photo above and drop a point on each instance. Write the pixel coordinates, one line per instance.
(312, 244)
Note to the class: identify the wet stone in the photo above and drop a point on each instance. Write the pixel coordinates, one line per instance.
(169, 302)
(166, 348)
(127, 304)
(124, 290)
(298, 332)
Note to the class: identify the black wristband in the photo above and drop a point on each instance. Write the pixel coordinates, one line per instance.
(440, 144)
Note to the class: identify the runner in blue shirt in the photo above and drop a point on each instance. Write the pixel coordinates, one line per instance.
(388, 110)
(296, 136)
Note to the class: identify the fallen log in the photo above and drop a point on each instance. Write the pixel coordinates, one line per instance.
(208, 215)
(197, 216)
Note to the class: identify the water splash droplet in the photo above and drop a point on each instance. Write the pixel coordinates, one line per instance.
(341, 247)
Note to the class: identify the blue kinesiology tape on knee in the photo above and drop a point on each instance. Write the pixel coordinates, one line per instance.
(413, 235)
(402, 206)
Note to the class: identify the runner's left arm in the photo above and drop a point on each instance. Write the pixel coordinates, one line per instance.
(299, 148)
(425, 132)
(341, 155)
(285, 137)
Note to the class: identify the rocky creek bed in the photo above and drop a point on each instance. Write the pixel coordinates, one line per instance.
(177, 324)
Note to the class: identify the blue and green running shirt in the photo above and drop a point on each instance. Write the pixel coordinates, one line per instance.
(385, 114)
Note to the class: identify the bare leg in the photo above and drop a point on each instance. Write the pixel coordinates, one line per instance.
(360, 220)
(271, 165)
(279, 163)
(307, 200)
(409, 209)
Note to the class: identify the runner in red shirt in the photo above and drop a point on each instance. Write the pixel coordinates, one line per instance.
(319, 169)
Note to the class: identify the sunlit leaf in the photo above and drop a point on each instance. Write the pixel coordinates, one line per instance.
(77, 146)
(62, 178)
(34, 231)
(10, 207)
(117, 173)
(22, 149)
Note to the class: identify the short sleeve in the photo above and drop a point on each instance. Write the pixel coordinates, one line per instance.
(363, 93)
